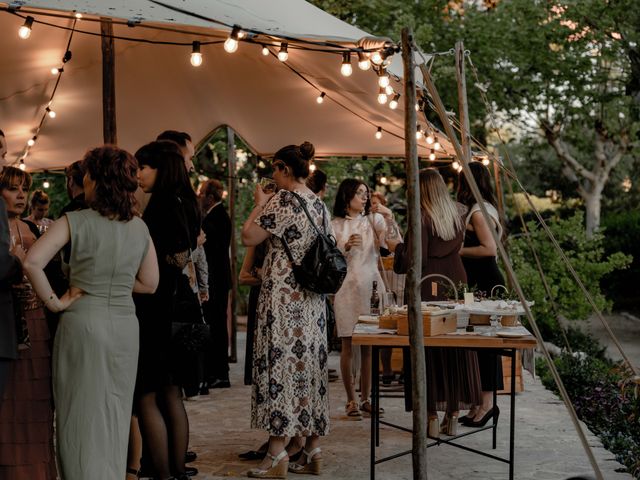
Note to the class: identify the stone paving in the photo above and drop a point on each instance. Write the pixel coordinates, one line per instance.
(547, 447)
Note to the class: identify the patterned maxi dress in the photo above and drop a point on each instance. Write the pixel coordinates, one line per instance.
(290, 378)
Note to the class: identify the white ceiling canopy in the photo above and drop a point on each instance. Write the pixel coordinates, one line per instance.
(269, 103)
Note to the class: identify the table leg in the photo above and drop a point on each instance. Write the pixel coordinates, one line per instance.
(374, 409)
(512, 419)
(498, 358)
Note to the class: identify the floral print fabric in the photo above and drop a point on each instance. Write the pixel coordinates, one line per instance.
(289, 393)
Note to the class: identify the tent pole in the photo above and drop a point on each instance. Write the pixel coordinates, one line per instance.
(414, 242)
(109, 130)
(465, 136)
(231, 164)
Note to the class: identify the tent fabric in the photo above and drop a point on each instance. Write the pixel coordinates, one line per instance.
(267, 102)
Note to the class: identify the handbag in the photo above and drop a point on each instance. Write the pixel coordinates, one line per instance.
(323, 267)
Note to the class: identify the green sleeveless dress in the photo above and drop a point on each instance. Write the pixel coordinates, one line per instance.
(96, 347)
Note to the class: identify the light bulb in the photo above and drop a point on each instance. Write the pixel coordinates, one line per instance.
(455, 165)
(22, 166)
(46, 184)
(283, 54)
(430, 138)
(265, 51)
(54, 71)
(312, 167)
(383, 180)
(231, 43)
(376, 58)
(51, 113)
(418, 133)
(79, 16)
(382, 96)
(320, 98)
(31, 142)
(417, 107)
(24, 31)
(379, 133)
(345, 68)
(383, 79)
(485, 161)
(393, 104)
(388, 90)
(437, 146)
(363, 61)
(432, 156)
(196, 56)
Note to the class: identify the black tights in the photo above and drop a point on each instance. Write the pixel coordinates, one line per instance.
(165, 430)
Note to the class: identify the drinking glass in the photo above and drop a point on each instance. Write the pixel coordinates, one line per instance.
(268, 185)
(388, 301)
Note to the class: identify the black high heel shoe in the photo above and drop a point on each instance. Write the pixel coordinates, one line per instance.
(494, 412)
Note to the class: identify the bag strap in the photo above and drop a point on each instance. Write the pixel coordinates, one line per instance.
(303, 204)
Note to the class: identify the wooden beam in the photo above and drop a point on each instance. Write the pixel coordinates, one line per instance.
(465, 135)
(232, 189)
(414, 242)
(109, 130)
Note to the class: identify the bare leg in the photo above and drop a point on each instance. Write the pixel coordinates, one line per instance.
(345, 369)
(295, 445)
(487, 404)
(365, 373)
(276, 445)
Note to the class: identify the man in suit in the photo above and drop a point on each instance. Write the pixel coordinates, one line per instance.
(216, 224)
(10, 270)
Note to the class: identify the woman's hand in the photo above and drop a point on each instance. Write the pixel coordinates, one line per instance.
(382, 210)
(69, 298)
(260, 197)
(354, 240)
(202, 237)
(392, 243)
(18, 252)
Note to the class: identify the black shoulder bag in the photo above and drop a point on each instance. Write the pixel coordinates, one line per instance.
(323, 267)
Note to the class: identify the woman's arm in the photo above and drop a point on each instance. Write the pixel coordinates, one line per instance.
(246, 271)
(40, 254)
(148, 274)
(253, 234)
(487, 247)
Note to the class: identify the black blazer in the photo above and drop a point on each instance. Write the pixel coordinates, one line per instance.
(217, 226)
(10, 272)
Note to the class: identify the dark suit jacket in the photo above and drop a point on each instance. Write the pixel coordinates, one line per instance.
(10, 271)
(217, 226)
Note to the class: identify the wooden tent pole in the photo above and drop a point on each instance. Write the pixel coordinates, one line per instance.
(109, 130)
(232, 188)
(414, 242)
(465, 135)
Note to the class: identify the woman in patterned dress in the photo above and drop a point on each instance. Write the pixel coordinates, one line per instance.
(289, 393)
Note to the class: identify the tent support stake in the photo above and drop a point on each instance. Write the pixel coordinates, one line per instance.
(231, 163)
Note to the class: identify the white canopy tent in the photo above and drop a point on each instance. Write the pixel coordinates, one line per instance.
(267, 102)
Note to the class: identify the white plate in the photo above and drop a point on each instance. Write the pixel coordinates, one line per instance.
(510, 334)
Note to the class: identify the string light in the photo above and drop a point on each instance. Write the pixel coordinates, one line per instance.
(485, 161)
(320, 98)
(54, 71)
(430, 138)
(22, 165)
(437, 146)
(363, 61)
(79, 16)
(393, 104)
(46, 184)
(379, 133)
(432, 155)
(383, 78)
(382, 96)
(196, 56)
(312, 167)
(32, 141)
(456, 166)
(389, 90)
(24, 31)
(376, 58)
(346, 69)
(419, 105)
(50, 112)
(283, 54)
(418, 132)
(231, 43)
(265, 50)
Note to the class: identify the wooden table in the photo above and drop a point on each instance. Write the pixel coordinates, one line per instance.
(368, 336)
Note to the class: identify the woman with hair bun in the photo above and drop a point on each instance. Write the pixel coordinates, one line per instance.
(96, 344)
(290, 380)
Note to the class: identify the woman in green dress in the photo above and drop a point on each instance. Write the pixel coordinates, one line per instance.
(96, 345)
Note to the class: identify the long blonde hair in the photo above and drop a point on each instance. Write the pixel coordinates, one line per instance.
(437, 204)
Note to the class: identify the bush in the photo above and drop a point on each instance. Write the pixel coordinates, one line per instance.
(587, 256)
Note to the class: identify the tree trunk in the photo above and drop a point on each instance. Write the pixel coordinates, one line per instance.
(593, 203)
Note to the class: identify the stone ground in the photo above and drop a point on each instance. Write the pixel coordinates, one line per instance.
(547, 447)
(626, 327)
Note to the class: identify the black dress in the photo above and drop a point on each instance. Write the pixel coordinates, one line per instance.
(483, 274)
(254, 293)
(174, 229)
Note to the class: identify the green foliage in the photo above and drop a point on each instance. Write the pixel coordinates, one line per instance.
(57, 191)
(587, 257)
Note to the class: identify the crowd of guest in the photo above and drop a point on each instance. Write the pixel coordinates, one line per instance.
(94, 303)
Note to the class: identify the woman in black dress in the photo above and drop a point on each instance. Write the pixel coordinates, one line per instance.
(173, 219)
(479, 260)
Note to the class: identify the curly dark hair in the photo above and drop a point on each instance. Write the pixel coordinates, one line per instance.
(115, 172)
(346, 191)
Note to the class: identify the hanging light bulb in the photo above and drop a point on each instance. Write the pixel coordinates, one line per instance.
(196, 56)
(430, 138)
(418, 132)
(383, 180)
(54, 71)
(79, 16)
(22, 165)
(32, 141)
(231, 43)
(50, 112)
(393, 104)
(432, 155)
(24, 31)
(379, 133)
(382, 96)
(46, 184)
(419, 105)
(455, 166)
(283, 54)
(383, 78)
(346, 69)
(485, 161)
(389, 90)
(376, 58)
(312, 167)
(320, 98)
(437, 146)
(363, 61)
(265, 50)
